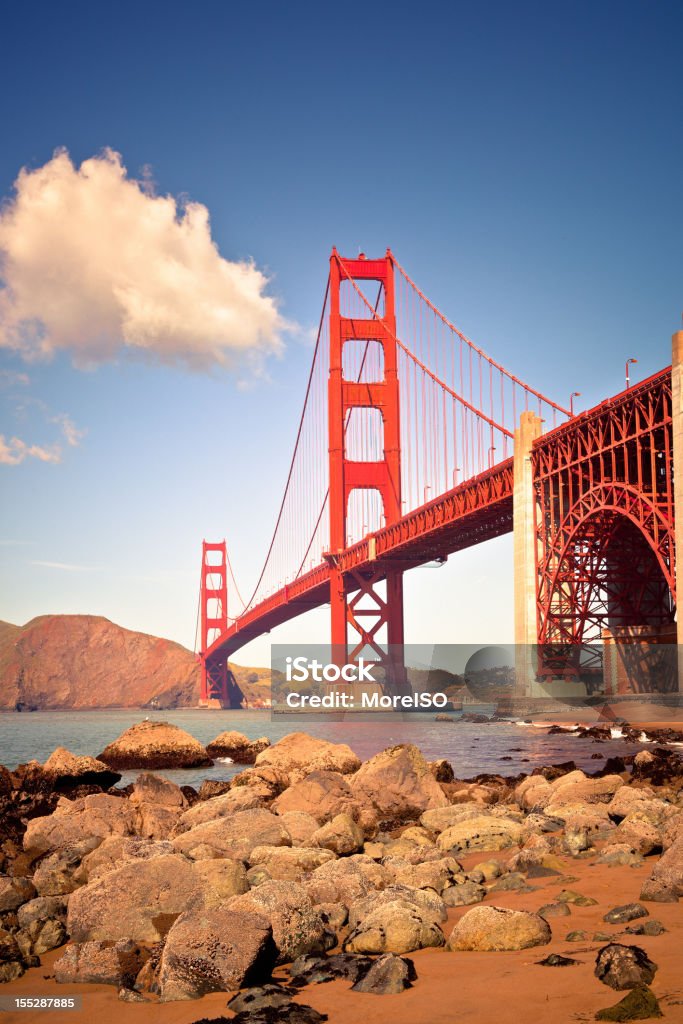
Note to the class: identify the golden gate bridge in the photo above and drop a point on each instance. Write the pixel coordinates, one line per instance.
(413, 443)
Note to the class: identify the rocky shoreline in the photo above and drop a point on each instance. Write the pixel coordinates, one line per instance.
(311, 874)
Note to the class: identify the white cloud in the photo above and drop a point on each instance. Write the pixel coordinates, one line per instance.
(72, 434)
(95, 263)
(10, 379)
(15, 451)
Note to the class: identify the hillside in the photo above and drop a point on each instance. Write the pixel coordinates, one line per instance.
(85, 661)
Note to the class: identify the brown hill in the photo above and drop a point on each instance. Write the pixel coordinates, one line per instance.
(85, 661)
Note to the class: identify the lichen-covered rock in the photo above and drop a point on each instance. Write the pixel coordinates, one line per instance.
(347, 880)
(397, 783)
(300, 826)
(14, 892)
(155, 745)
(139, 900)
(59, 872)
(289, 863)
(434, 874)
(497, 928)
(100, 963)
(214, 951)
(623, 967)
(237, 835)
(91, 817)
(667, 874)
(244, 798)
(322, 794)
(117, 850)
(481, 833)
(297, 927)
(428, 903)
(342, 835)
(298, 754)
(463, 895)
(397, 927)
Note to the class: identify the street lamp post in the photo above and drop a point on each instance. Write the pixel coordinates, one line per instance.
(628, 378)
(574, 394)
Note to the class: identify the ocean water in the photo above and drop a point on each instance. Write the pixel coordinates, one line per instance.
(505, 748)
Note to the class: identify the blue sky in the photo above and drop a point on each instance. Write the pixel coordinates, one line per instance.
(523, 161)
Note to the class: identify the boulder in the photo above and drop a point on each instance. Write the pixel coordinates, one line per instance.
(154, 789)
(497, 928)
(640, 834)
(14, 892)
(60, 872)
(623, 967)
(155, 745)
(117, 850)
(571, 789)
(238, 747)
(347, 880)
(100, 963)
(89, 818)
(624, 914)
(214, 951)
(341, 835)
(463, 895)
(428, 903)
(139, 900)
(289, 863)
(235, 836)
(41, 909)
(297, 927)
(245, 798)
(668, 871)
(398, 784)
(322, 794)
(481, 833)
(388, 975)
(396, 927)
(298, 754)
(70, 770)
(640, 1004)
(435, 874)
(300, 826)
(219, 880)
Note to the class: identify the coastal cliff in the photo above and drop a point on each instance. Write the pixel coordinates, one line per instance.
(66, 662)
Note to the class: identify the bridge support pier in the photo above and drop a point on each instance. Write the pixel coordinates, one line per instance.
(524, 542)
(677, 436)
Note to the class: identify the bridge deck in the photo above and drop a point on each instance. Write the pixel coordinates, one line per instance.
(472, 512)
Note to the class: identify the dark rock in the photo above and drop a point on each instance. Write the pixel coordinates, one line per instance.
(313, 970)
(554, 910)
(626, 913)
(623, 967)
(212, 787)
(577, 936)
(388, 975)
(291, 1013)
(260, 997)
(640, 1004)
(651, 927)
(557, 960)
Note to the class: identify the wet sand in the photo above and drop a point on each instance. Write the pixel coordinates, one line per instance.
(481, 988)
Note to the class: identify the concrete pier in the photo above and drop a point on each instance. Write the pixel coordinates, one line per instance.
(524, 540)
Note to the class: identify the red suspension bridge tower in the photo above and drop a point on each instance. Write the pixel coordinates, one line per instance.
(369, 623)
